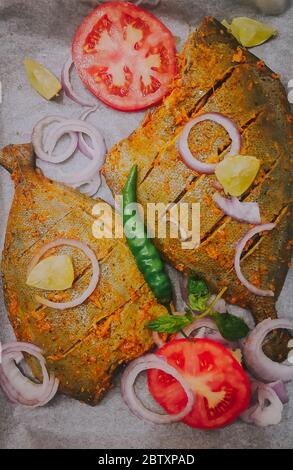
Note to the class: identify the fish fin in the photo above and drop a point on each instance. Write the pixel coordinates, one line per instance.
(15, 157)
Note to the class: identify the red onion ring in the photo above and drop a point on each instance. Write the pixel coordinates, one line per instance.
(151, 361)
(257, 362)
(268, 409)
(82, 144)
(67, 87)
(39, 148)
(239, 248)
(96, 152)
(90, 187)
(94, 279)
(242, 211)
(220, 306)
(186, 155)
(211, 325)
(176, 279)
(217, 185)
(280, 389)
(18, 388)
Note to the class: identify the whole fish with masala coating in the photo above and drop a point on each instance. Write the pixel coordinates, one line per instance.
(218, 75)
(83, 345)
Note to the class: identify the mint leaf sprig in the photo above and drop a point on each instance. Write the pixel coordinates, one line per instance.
(170, 323)
(230, 327)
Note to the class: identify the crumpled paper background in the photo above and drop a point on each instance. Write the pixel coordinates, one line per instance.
(43, 30)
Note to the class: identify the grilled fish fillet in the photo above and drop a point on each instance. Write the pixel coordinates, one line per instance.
(83, 345)
(217, 75)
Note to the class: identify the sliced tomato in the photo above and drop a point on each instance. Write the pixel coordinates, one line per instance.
(125, 56)
(219, 383)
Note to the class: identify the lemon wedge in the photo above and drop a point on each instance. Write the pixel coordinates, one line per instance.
(52, 273)
(236, 174)
(41, 79)
(249, 32)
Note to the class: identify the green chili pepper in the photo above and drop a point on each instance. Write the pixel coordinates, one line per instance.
(146, 254)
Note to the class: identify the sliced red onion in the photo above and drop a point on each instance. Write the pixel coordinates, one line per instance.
(217, 185)
(104, 193)
(243, 211)
(239, 249)
(176, 280)
(280, 389)
(94, 279)
(96, 152)
(82, 144)
(257, 362)
(183, 287)
(201, 333)
(220, 306)
(19, 388)
(211, 332)
(242, 313)
(39, 145)
(268, 409)
(151, 361)
(67, 87)
(91, 187)
(183, 146)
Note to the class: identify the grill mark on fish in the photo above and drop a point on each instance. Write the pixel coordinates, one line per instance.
(223, 149)
(224, 219)
(195, 110)
(228, 219)
(256, 241)
(89, 265)
(246, 126)
(43, 235)
(94, 325)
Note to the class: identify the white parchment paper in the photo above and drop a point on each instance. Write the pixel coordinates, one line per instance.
(43, 30)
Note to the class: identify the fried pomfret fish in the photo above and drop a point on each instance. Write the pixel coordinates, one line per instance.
(84, 345)
(218, 75)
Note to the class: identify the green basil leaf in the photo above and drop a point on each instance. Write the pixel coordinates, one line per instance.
(231, 327)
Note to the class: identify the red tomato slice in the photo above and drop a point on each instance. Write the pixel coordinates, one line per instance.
(125, 56)
(220, 385)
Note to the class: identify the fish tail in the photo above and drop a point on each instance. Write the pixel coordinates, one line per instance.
(14, 157)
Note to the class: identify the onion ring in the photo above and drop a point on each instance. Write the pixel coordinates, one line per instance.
(239, 248)
(37, 141)
(67, 87)
(242, 211)
(211, 325)
(257, 362)
(18, 388)
(268, 409)
(151, 361)
(183, 146)
(96, 153)
(93, 282)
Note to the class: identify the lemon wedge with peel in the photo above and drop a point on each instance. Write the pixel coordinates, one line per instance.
(41, 79)
(236, 174)
(52, 273)
(249, 32)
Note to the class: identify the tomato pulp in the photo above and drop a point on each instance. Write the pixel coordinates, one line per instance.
(219, 383)
(125, 56)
